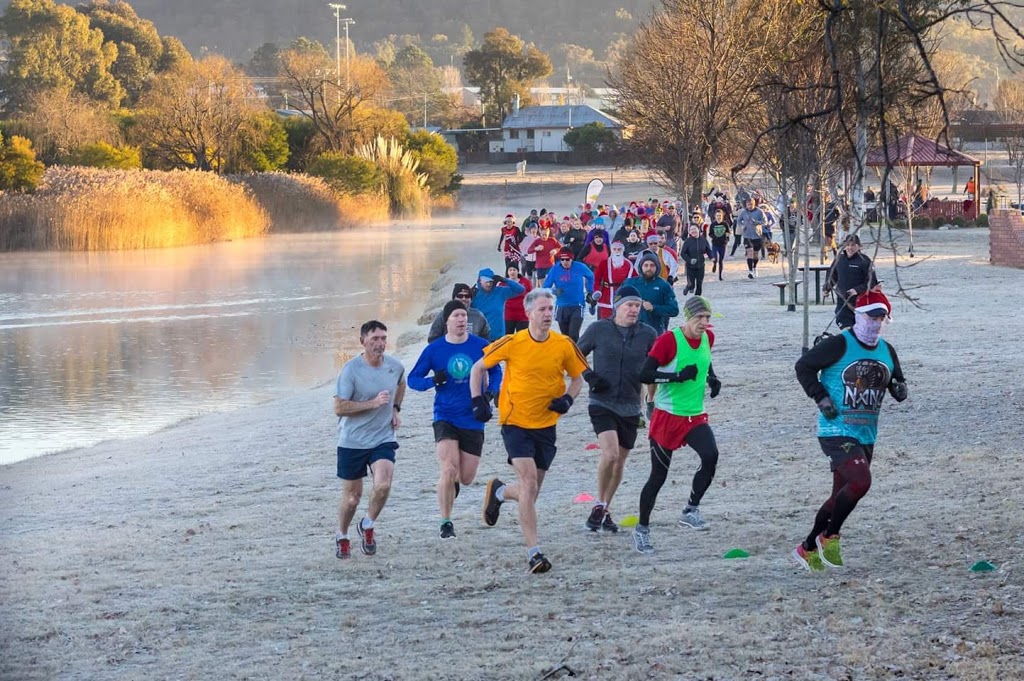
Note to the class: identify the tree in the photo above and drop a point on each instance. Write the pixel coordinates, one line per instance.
(590, 140)
(685, 104)
(174, 54)
(503, 67)
(1009, 102)
(265, 62)
(324, 97)
(19, 169)
(262, 145)
(416, 86)
(192, 116)
(438, 160)
(139, 47)
(59, 121)
(103, 155)
(52, 46)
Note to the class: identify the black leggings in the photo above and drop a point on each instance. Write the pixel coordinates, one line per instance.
(570, 320)
(695, 279)
(702, 440)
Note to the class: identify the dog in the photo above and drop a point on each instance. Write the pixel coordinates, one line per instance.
(773, 250)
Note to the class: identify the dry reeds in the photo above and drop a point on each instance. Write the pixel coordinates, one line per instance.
(302, 203)
(402, 184)
(102, 209)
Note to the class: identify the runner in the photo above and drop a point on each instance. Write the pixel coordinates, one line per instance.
(459, 437)
(367, 399)
(478, 325)
(515, 313)
(847, 376)
(546, 250)
(533, 396)
(529, 255)
(508, 241)
(659, 299)
(667, 259)
(680, 365)
(571, 282)
(692, 255)
(719, 231)
(490, 298)
(619, 346)
(608, 276)
(751, 222)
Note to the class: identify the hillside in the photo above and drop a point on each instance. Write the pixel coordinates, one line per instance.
(236, 27)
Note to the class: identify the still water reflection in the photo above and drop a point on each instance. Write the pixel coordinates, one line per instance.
(96, 346)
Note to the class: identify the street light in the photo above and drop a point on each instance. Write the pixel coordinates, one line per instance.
(337, 37)
(347, 22)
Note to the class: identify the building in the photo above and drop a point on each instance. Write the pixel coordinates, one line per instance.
(541, 129)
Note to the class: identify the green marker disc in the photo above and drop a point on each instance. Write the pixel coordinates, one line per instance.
(735, 553)
(983, 566)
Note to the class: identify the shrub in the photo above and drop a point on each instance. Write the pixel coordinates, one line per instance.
(899, 224)
(922, 222)
(101, 209)
(438, 161)
(301, 203)
(401, 182)
(958, 221)
(982, 220)
(103, 155)
(346, 174)
(19, 169)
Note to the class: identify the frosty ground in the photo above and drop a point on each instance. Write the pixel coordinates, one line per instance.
(206, 550)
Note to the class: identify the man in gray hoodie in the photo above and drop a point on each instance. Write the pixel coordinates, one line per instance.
(620, 346)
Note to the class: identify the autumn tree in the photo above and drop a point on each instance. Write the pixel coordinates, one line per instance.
(52, 46)
(1009, 103)
(58, 121)
(502, 67)
(192, 116)
(19, 169)
(326, 98)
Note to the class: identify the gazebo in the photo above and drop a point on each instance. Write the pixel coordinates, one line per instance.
(913, 151)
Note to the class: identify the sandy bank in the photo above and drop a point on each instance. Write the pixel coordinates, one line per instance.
(206, 549)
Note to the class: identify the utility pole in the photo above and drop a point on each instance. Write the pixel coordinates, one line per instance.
(424, 110)
(337, 40)
(348, 66)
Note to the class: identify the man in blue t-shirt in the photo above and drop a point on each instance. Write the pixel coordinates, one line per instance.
(445, 365)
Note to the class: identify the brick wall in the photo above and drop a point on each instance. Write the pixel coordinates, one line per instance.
(1006, 238)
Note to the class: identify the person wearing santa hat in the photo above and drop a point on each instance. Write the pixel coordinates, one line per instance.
(609, 274)
(847, 376)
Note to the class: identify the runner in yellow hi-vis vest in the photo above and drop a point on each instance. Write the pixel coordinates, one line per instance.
(679, 365)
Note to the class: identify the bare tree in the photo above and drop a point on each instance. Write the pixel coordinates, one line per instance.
(58, 121)
(1009, 102)
(191, 116)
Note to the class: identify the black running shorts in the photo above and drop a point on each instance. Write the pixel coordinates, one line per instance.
(839, 449)
(530, 443)
(625, 427)
(470, 441)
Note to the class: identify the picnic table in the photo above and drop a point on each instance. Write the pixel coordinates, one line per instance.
(817, 269)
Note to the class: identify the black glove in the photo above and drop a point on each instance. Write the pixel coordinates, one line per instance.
(440, 378)
(482, 409)
(715, 385)
(596, 382)
(828, 408)
(561, 404)
(498, 278)
(898, 390)
(688, 373)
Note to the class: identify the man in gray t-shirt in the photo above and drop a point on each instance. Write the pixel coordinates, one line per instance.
(367, 400)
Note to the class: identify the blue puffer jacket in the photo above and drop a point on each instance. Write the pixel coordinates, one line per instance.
(571, 285)
(658, 293)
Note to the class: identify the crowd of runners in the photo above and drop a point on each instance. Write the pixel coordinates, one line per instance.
(493, 348)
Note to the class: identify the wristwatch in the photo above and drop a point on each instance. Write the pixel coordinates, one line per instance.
(397, 407)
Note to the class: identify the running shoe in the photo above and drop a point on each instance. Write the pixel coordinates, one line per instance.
(809, 560)
(691, 517)
(492, 506)
(642, 540)
(457, 489)
(343, 548)
(447, 530)
(596, 516)
(368, 543)
(750, 275)
(608, 525)
(539, 564)
(828, 549)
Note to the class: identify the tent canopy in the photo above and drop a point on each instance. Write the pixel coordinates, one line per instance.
(916, 151)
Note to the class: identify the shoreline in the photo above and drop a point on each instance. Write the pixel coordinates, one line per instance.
(209, 545)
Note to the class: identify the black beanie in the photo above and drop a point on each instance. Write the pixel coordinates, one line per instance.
(449, 307)
(460, 288)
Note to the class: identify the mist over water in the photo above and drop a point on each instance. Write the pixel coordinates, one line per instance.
(95, 346)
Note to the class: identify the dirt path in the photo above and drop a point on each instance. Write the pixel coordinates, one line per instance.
(205, 551)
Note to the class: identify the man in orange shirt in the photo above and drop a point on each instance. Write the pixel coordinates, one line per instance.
(533, 396)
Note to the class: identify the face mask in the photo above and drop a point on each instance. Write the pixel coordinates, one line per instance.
(868, 329)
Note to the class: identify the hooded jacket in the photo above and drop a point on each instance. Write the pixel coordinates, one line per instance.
(492, 303)
(571, 285)
(657, 292)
